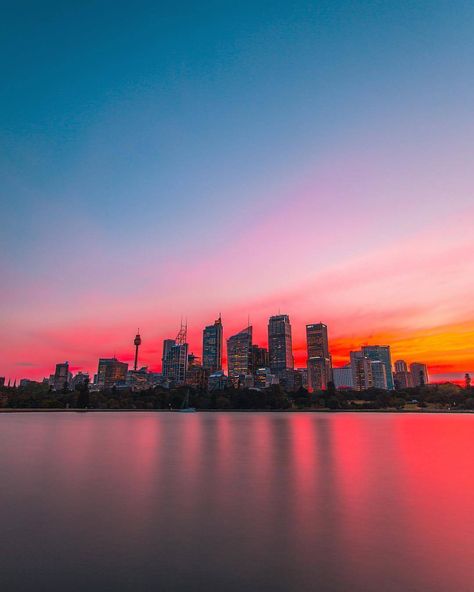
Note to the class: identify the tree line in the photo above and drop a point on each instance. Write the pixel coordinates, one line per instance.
(39, 396)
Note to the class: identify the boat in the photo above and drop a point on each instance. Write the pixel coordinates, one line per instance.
(185, 407)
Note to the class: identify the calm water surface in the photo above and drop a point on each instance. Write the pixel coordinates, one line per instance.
(235, 501)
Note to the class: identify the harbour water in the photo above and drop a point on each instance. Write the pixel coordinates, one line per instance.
(236, 501)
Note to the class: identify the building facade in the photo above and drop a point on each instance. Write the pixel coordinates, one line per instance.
(239, 353)
(361, 367)
(61, 377)
(111, 372)
(175, 364)
(212, 346)
(319, 358)
(379, 375)
(419, 374)
(280, 350)
(259, 357)
(381, 353)
(342, 377)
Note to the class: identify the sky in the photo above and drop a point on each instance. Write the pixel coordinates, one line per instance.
(168, 160)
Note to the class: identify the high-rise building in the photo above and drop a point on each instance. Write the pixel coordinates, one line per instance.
(239, 353)
(318, 373)
(381, 353)
(419, 374)
(212, 347)
(111, 372)
(61, 377)
(379, 374)
(402, 380)
(361, 371)
(167, 345)
(401, 366)
(259, 358)
(175, 357)
(342, 377)
(317, 340)
(319, 358)
(280, 351)
(175, 364)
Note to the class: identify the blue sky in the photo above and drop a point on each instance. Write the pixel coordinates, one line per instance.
(138, 137)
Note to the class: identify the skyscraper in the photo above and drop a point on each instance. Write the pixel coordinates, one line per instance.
(175, 357)
(419, 374)
(111, 372)
(319, 359)
(401, 366)
(259, 358)
(167, 345)
(381, 353)
(212, 347)
(280, 350)
(402, 378)
(61, 376)
(343, 377)
(318, 373)
(361, 371)
(379, 374)
(239, 353)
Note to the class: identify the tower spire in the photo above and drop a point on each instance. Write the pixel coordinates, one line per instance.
(137, 342)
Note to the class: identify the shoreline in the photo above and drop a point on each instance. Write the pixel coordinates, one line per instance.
(418, 411)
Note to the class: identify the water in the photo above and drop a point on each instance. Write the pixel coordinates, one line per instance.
(236, 501)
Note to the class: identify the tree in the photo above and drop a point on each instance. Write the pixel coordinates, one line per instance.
(83, 396)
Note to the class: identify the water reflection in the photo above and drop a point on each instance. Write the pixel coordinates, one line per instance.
(275, 502)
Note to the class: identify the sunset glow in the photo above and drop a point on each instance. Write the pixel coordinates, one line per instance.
(233, 162)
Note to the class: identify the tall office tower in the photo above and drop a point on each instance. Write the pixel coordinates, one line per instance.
(212, 347)
(137, 342)
(111, 372)
(379, 375)
(239, 353)
(381, 353)
(419, 374)
(175, 361)
(259, 358)
(61, 376)
(319, 358)
(318, 373)
(361, 367)
(280, 350)
(167, 345)
(402, 379)
(343, 377)
(401, 366)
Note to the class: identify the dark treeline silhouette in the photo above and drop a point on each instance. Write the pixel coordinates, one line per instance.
(39, 396)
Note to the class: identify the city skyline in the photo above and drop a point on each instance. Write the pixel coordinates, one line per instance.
(246, 357)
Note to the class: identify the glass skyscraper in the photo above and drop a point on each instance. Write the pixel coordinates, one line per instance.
(239, 353)
(319, 358)
(381, 353)
(280, 351)
(212, 347)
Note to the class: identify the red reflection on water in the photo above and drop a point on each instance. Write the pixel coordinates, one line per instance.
(438, 483)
